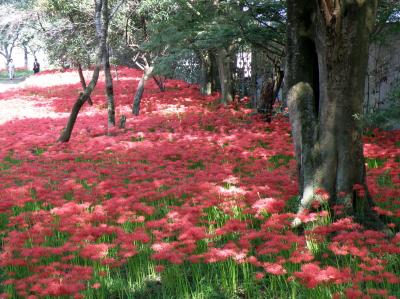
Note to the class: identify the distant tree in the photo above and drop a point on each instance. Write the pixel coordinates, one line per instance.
(214, 31)
(11, 26)
(68, 31)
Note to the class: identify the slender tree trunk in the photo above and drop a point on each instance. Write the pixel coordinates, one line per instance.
(83, 97)
(215, 84)
(107, 69)
(109, 91)
(26, 57)
(160, 81)
(327, 61)
(83, 82)
(254, 88)
(206, 73)
(225, 75)
(269, 93)
(140, 89)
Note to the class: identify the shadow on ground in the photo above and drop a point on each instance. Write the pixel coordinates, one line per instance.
(13, 81)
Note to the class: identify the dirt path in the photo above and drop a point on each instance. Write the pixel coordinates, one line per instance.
(7, 84)
(23, 107)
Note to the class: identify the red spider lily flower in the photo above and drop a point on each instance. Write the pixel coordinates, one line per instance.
(159, 268)
(273, 268)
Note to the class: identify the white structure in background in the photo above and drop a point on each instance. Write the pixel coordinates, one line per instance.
(244, 62)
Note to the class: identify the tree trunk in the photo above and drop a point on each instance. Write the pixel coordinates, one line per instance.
(269, 93)
(107, 69)
(160, 81)
(326, 67)
(83, 82)
(225, 75)
(140, 89)
(213, 72)
(26, 57)
(276, 86)
(83, 97)
(206, 74)
(266, 96)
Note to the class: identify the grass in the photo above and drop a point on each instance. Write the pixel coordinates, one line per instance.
(227, 279)
(18, 74)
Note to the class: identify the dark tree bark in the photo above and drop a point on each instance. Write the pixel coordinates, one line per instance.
(83, 97)
(225, 75)
(160, 81)
(206, 73)
(107, 68)
(327, 60)
(269, 93)
(215, 83)
(83, 82)
(266, 96)
(140, 89)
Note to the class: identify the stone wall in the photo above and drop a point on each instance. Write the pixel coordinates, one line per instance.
(383, 70)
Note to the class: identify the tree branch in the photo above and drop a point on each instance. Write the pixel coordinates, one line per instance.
(327, 10)
(115, 9)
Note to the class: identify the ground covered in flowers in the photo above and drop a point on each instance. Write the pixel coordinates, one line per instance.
(190, 200)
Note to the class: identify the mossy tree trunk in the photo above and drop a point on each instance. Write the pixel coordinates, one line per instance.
(327, 50)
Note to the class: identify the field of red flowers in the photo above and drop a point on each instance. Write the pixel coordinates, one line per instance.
(190, 200)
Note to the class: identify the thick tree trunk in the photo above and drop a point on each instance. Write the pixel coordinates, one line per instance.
(83, 97)
(140, 89)
(83, 82)
(225, 75)
(327, 61)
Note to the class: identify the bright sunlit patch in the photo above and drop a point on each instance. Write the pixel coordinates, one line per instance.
(165, 109)
(26, 108)
(232, 190)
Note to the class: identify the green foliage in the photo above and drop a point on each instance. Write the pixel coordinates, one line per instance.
(68, 31)
(190, 29)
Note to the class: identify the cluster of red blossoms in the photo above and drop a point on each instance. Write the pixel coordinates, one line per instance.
(184, 172)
